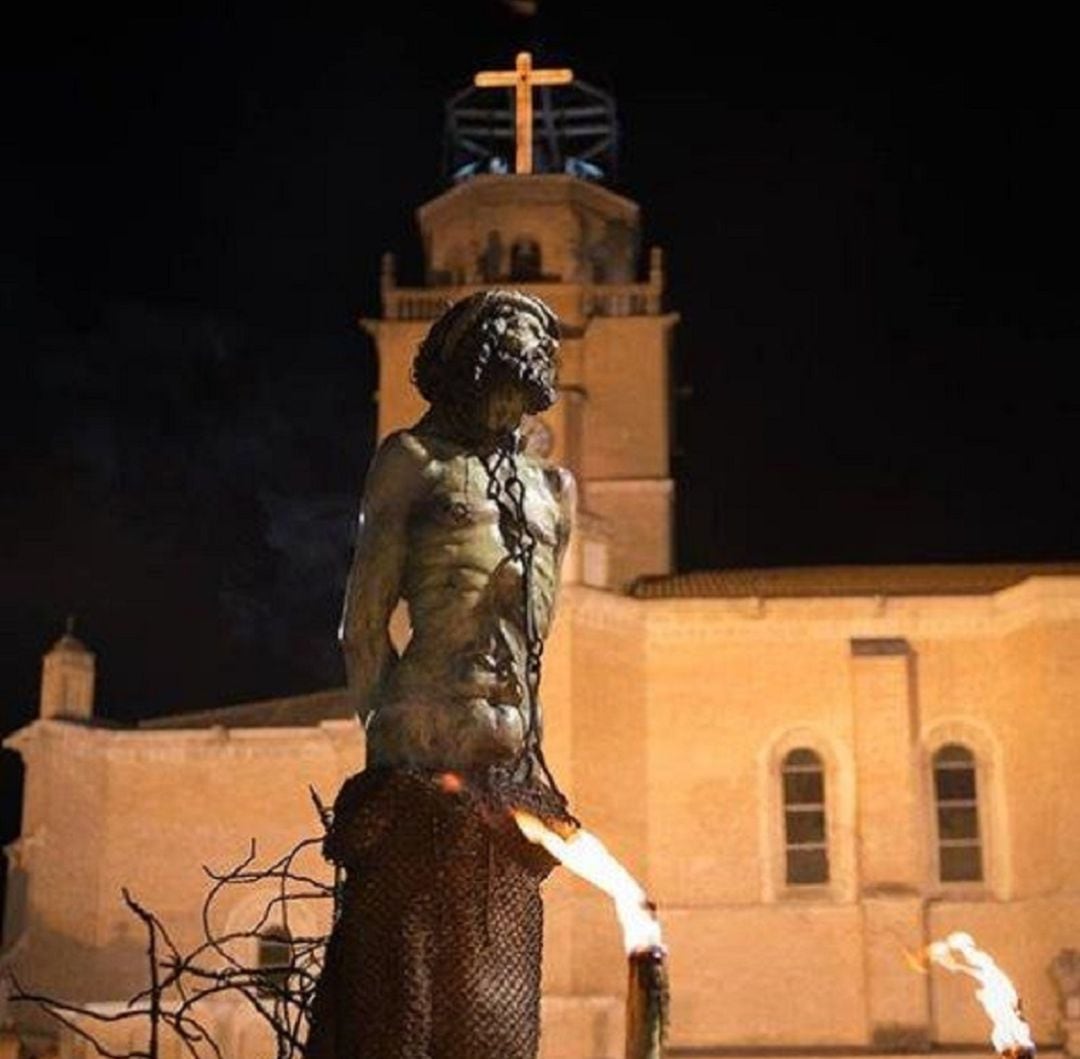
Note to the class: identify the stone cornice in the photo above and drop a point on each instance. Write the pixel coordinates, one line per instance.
(1045, 599)
(531, 190)
(172, 742)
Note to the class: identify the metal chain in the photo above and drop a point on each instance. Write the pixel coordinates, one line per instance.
(507, 489)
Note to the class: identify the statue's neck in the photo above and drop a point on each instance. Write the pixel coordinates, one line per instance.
(472, 432)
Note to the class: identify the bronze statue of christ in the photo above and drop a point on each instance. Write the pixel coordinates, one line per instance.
(436, 950)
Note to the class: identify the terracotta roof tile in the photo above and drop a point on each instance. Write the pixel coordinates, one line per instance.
(297, 711)
(936, 579)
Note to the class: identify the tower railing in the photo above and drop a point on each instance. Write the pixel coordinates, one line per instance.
(576, 300)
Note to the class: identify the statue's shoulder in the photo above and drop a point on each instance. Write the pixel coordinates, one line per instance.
(401, 464)
(405, 446)
(560, 481)
(563, 486)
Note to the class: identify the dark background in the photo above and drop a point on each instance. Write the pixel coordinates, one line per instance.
(870, 228)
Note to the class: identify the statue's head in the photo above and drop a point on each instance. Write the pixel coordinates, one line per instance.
(492, 338)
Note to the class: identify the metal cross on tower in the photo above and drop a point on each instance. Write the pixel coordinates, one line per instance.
(523, 78)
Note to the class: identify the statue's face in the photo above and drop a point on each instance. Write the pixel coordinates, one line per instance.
(530, 352)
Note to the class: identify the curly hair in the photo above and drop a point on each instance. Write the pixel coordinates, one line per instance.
(451, 365)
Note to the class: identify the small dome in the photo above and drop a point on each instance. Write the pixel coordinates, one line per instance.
(70, 644)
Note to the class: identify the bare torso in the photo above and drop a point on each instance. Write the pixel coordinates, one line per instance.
(457, 696)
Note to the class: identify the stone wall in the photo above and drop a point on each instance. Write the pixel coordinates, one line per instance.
(681, 709)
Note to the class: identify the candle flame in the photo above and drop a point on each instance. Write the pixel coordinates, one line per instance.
(586, 856)
(958, 953)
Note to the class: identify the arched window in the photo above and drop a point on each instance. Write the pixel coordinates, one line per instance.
(956, 801)
(525, 260)
(274, 959)
(806, 848)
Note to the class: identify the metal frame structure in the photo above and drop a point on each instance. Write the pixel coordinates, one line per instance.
(575, 130)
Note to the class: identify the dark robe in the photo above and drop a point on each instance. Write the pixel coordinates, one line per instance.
(436, 952)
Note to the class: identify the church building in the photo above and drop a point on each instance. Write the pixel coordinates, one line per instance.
(813, 772)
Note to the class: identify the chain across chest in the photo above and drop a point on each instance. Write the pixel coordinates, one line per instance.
(516, 502)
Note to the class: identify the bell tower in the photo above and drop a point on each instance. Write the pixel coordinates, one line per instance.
(559, 234)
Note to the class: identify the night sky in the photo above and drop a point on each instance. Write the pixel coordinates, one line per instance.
(870, 229)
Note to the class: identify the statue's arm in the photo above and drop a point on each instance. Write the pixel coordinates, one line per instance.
(394, 482)
(566, 492)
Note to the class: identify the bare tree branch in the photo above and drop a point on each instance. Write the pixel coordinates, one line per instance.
(280, 995)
